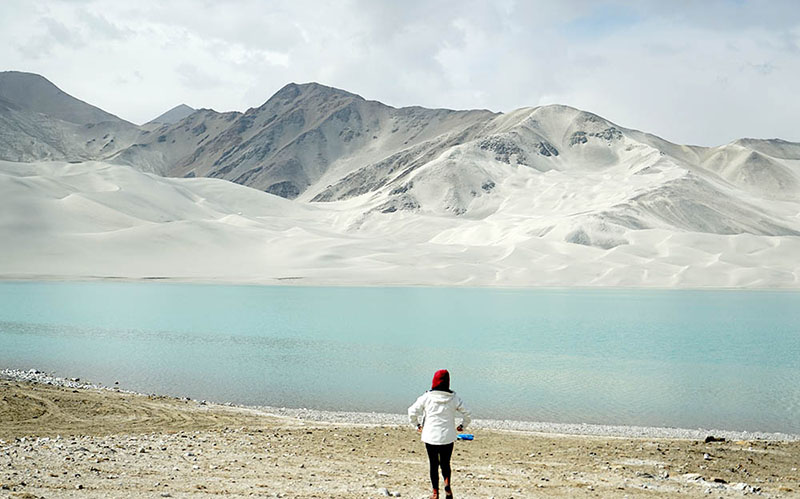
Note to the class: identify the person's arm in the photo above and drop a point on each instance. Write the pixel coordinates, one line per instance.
(416, 410)
(465, 415)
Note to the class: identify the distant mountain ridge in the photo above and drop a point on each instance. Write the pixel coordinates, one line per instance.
(38, 121)
(322, 145)
(302, 134)
(32, 92)
(174, 115)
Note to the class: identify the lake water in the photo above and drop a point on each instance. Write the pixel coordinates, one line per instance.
(711, 359)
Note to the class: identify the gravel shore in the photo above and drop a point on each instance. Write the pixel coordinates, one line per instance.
(68, 438)
(377, 418)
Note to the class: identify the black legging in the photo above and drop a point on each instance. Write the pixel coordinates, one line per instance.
(439, 456)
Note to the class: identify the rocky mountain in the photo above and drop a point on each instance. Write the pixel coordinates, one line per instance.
(478, 178)
(38, 121)
(648, 183)
(35, 93)
(319, 144)
(303, 136)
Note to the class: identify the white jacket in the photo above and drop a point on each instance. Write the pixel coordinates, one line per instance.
(438, 410)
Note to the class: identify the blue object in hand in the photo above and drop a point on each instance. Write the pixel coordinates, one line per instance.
(466, 436)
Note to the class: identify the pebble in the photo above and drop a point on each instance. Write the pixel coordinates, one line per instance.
(36, 376)
(749, 489)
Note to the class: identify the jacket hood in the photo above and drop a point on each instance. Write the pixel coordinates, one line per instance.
(441, 380)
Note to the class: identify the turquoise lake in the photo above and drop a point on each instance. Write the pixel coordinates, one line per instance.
(710, 359)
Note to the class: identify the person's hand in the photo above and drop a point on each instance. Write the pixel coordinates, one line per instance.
(460, 428)
(419, 428)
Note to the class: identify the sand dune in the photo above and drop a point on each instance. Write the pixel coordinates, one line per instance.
(99, 220)
(543, 196)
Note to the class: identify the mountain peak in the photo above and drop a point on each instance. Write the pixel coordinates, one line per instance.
(22, 76)
(174, 115)
(33, 92)
(310, 89)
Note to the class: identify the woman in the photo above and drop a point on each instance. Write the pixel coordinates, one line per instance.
(438, 409)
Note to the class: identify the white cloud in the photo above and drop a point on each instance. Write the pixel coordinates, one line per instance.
(693, 72)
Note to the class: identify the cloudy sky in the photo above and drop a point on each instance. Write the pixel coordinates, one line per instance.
(700, 72)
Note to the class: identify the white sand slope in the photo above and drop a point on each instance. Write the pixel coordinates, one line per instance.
(544, 196)
(563, 227)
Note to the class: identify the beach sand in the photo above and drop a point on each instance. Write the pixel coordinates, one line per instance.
(63, 442)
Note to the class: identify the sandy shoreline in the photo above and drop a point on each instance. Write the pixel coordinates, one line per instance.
(78, 441)
(304, 281)
(378, 418)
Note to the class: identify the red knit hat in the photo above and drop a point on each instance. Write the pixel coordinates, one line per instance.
(441, 380)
